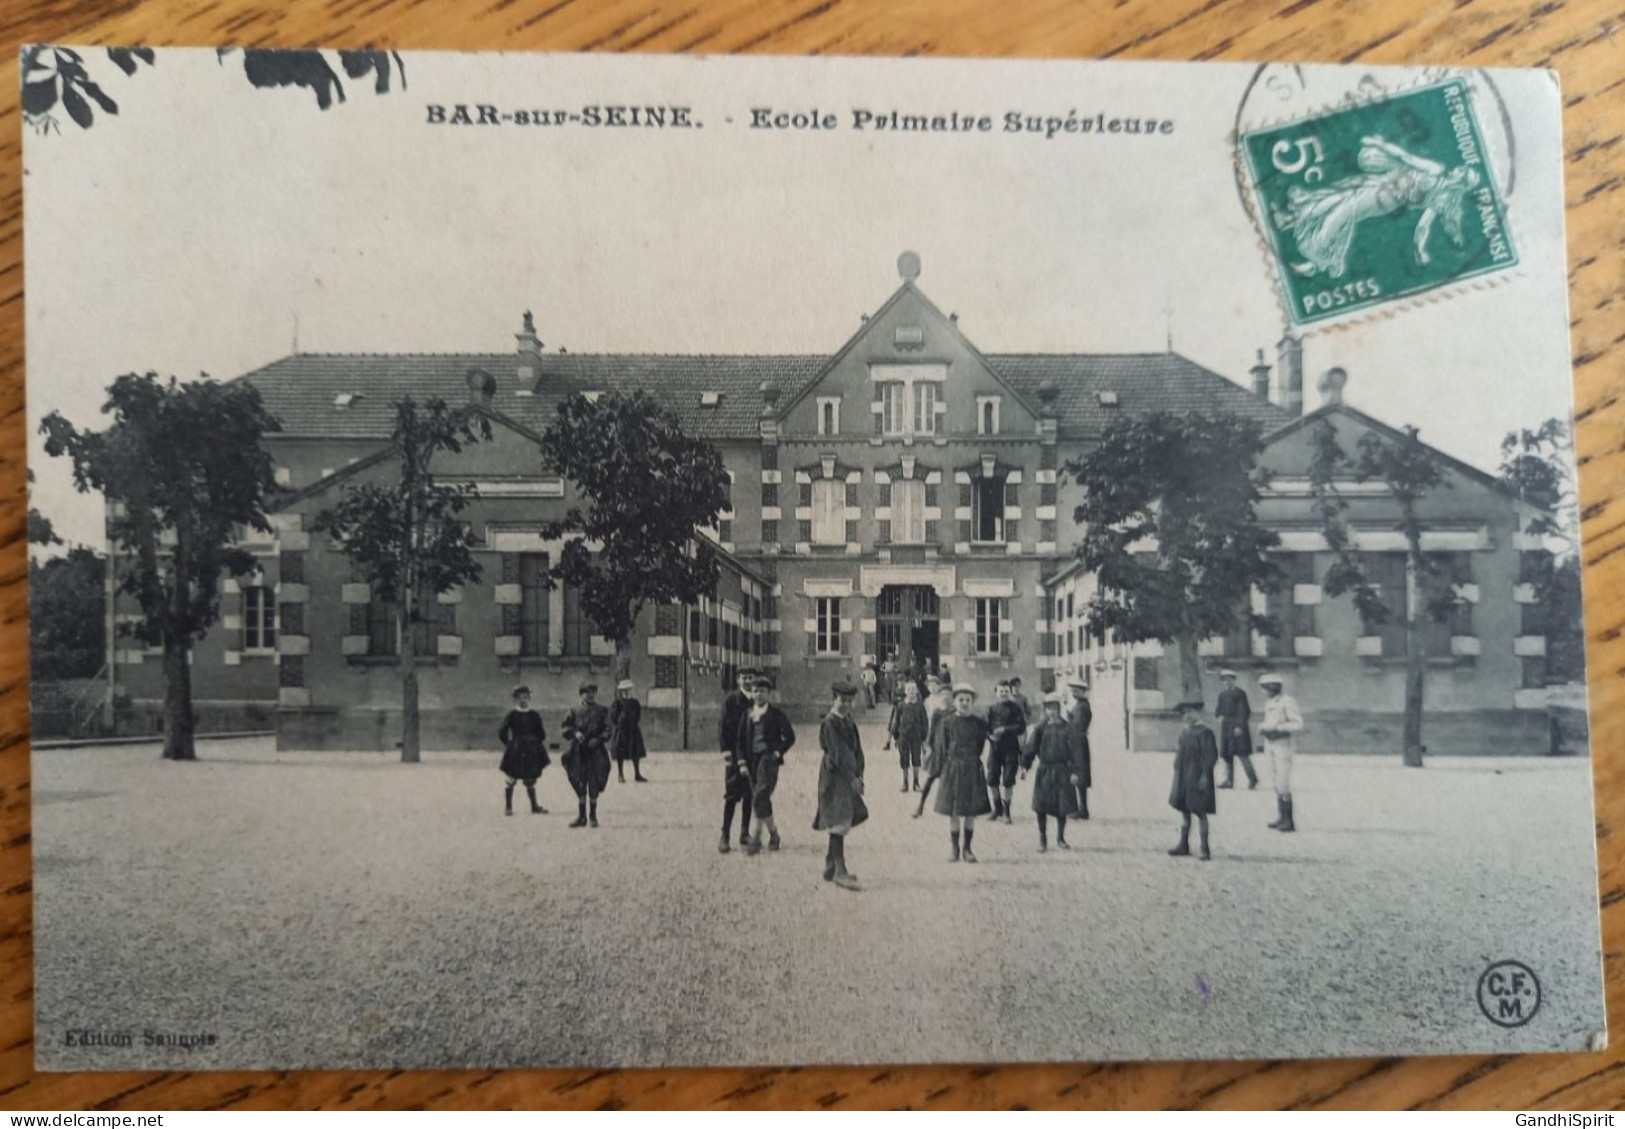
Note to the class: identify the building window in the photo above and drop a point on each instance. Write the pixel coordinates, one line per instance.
(908, 512)
(829, 512)
(987, 509)
(1292, 619)
(1386, 573)
(829, 415)
(827, 619)
(534, 604)
(1147, 674)
(990, 625)
(909, 397)
(383, 632)
(578, 626)
(925, 409)
(259, 619)
(894, 408)
(987, 415)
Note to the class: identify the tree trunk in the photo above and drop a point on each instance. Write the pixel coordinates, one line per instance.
(1190, 669)
(179, 724)
(1416, 660)
(410, 739)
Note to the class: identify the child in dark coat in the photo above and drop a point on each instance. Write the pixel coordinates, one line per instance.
(907, 730)
(524, 750)
(963, 796)
(626, 732)
(587, 729)
(1055, 788)
(765, 735)
(1192, 792)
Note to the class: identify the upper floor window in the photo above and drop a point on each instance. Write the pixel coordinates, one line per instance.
(259, 619)
(909, 398)
(829, 415)
(829, 512)
(908, 511)
(988, 508)
(987, 415)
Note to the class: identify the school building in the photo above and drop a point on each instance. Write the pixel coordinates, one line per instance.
(902, 495)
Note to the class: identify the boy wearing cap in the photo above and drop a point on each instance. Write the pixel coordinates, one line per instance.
(964, 794)
(1020, 699)
(524, 750)
(735, 787)
(1235, 740)
(587, 763)
(1077, 726)
(1055, 786)
(907, 729)
(1281, 720)
(840, 784)
(1192, 792)
(1005, 723)
(939, 704)
(626, 732)
(765, 736)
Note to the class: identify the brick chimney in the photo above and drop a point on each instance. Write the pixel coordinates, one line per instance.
(1331, 386)
(1261, 378)
(482, 387)
(530, 353)
(1290, 355)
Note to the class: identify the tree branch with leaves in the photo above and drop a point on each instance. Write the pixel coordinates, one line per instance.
(176, 506)
(649, 488)
(1171, 529)
(407, 537)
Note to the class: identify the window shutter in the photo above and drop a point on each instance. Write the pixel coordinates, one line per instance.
(880, 416)
(804, 493)
(965, 496)
(885, 494)
(1012, 494)
(851, 531)
(851, 493)
(358, 619)
(931, 495)
(804, 531)
(1046, 494)
(885, 531)
(931, 533)
(966, 530)
(770, 493)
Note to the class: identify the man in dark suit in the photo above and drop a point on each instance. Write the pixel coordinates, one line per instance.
(1077, 724)
(735, 785)
(765, 736)
(1235, 733)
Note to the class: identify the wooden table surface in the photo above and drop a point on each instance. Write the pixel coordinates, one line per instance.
(1580, 39)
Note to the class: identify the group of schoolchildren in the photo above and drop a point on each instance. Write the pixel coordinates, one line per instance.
(943, 734)
(594, 734)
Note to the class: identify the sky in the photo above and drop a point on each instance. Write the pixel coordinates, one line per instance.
(212, 227)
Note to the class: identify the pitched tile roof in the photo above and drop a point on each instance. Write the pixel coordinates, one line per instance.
(1142, 382)
(301, 389)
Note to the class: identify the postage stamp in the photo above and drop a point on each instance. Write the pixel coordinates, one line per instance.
(1374, 202)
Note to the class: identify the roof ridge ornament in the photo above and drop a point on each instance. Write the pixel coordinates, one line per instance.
(908, 266)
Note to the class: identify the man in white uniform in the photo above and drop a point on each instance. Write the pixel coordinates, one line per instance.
(1281, 720)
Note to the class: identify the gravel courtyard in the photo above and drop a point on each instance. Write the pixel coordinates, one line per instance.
(338, 910)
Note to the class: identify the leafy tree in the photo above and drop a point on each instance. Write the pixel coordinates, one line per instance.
(174, 506)
(1538, 466)
(40, 529)
(1411, 471)
(67, 616)
(1171, 530)
(649, 487)
(406, 537)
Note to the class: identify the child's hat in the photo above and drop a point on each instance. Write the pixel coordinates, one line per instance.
(1192, 704)
(1271, 679)
(1053, 698)
(964, 688)
(844, 689)
(589, 688)
(518, 690)
(624, 684)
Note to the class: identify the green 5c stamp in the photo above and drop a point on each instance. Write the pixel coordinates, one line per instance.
(1376, 201)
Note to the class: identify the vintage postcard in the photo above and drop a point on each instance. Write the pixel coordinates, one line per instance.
(610, 561)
